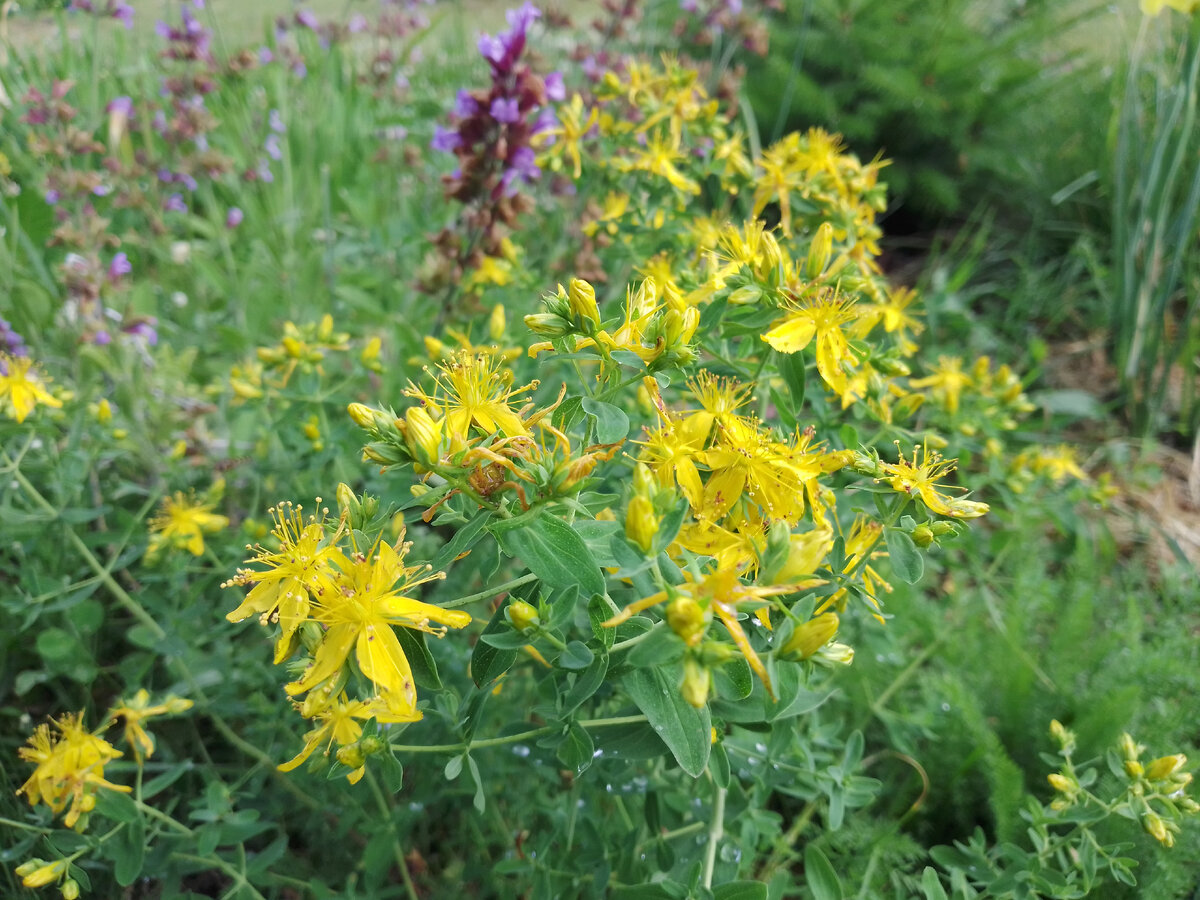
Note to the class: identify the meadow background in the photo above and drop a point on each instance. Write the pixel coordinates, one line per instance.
(1042, 189)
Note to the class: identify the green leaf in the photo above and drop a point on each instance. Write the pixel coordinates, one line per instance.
(424, 669)
(687, 731)
(819, 875)
(161, 782)
(129, 852)
(600, 612)
(907, 561)
(117, 805)
(453, 768)
(555, 554)
(718, 765)
(932, 885)
(586, 684)
(740, 890)
(612, 424)
(663, 890)
(576, 656)
(734, 680)
(464, 539)
(637, 741)
(575, 752)
(57, 645)
(479, 801)
(487, 661)
(795, 376)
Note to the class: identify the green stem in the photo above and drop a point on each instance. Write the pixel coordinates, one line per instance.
(783, 847)
(491, 592)
(385, 810)
(511, 738)
(716, 830)
(218, 863)
(636, 639)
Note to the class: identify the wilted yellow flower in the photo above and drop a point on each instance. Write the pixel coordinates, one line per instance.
(182, 521)
(919, 478)
(137, 709)
(70, 767)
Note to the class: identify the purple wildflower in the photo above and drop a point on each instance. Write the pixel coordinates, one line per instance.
(465, 105)
(555, 89)
(121, 105)
(119, 266)
(11, 342)
(307, 19)
(234, 217)
(265, 55)
(272, 147)
(123, 13)
(264, 171)
(357, 24)
(102, 338)
(53, 196)
(505, 110)
(491, 48)
(175, 203)
(445, 140)
(275, 121)
(144, 330)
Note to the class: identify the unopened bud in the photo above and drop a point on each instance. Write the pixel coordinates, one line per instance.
(1134, 769)
(696, 682)
(641, 523)
(582, 298)
(46, 873)
(70, 889)
(362, 415)
(522, 615)
(1165, 766)
(810, 637)
(497, 322)
(1061, 783)
(370, 355)
(687, 619)
(423, 435)
(547, 324)
(1129, 748)
(922, 535)
(1157, 829)
(819, 252)
(351, 756)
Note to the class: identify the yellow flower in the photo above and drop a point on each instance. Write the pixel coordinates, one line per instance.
(70, 767)
(358, 604)
(474, 390)
(282, 592)
(135, 710)
(37, 873)
(183, 522)
(919, 477)
(22, 388)
(861, 545)
(336, 723)
(821, 319)
(659, 158)
(564, 139)
(948, 380)
(811, 636)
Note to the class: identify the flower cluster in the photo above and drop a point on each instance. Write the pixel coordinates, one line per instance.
(333, 601)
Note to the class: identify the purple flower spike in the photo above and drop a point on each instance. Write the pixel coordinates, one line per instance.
(307, 19)
(265, 55)
(234, 217)
(445, 140)
(119, 266)
(520, 19)
(272, 147)
(275, 121)
(505, 110)
(175, 204)
(555, 89)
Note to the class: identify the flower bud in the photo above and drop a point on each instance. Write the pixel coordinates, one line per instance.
(810, 637)
(1165, 766)
(522, 615)
(687, 619)
(819, 252)
(922, 536)
(696, 682)
(1134, 769)
(362, 415)
(497, 322)
(641, 522)
(370, 355)
(351, 756)
(547, 324)
(1061, 783)
(423, 435)
(582, 298)
(44, 874)
(1130, 749)
(1157, 829)
(70, 889)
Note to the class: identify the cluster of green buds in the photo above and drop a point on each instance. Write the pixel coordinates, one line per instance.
(389, 435)
(568, 311)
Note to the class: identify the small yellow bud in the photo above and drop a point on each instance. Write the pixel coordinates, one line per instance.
(922, 535)
(70, 889)
(1134, 769)
(423, 435)
(1061, 783)
(819, 252)
(352, 756)
(641, 523)
(312, 428)
(372, 744)
(370, 354)
(1189, 806)
(696, 682)
(1129, 748)
(1157, 829)
(45, 874)
(103, 412)
(522, 615)
(120, 434)
(176, 705)
(582, 297)
(814, 634)
(179, 449)
(362, 415)
(687, 619)
(1165, 766)
(547, 324)
(835, 654)
(497, 322)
